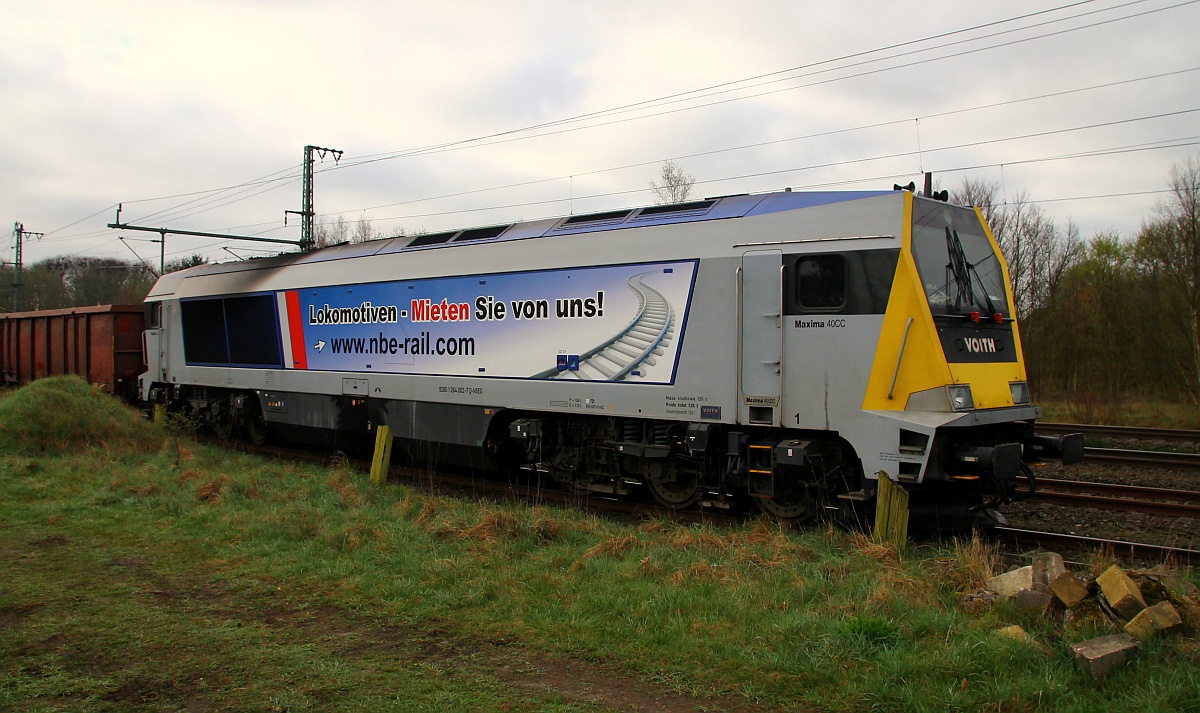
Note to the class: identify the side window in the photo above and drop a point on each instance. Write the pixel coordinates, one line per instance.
(239, 331)
(821, 283)
(153, 315)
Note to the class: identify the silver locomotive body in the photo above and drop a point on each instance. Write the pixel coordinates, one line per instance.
(789, 347)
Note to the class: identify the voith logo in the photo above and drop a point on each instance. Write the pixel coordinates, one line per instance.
(980, 345)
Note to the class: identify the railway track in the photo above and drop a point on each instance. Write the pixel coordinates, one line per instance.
(639, 344)
(1053, 540)
(1132, 457)
(1126, 432)
(1124, 498)
(1144, 459)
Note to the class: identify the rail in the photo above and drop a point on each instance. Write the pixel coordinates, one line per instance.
(1130, 432)
(1136, 550)
(1145, 459)
(1123, 498)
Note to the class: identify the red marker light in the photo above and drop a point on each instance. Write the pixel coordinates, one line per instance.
(998, 318)
(975, 317)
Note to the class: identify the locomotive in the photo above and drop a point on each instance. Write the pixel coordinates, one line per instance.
(785, 349)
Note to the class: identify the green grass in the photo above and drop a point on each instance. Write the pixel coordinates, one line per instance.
(182, 575)
(1146, 413)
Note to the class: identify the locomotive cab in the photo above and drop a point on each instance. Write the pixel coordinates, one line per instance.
(949, 373)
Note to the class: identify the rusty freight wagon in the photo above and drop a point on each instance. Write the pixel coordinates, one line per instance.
(102, 344)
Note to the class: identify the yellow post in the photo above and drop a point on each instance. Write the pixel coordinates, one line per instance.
(383, 454)
(160, 414)
(891, 512)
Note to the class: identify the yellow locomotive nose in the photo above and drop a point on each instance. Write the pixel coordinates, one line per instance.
(949, 340)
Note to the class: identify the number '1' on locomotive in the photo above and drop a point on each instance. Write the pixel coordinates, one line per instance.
(785, 349)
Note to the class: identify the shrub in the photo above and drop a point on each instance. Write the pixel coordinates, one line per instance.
(60, 414)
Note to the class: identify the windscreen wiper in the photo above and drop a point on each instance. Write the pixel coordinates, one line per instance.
(960, 269)
(962, 272)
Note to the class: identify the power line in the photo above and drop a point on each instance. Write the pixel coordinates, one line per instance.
(455, 145)
(831, 164)
(703, 90)
(761, 144)
(458, 145)
(713, 90)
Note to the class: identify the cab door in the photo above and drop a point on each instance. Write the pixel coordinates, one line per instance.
(761, 338)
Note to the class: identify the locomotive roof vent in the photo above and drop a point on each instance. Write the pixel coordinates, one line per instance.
(675, 209)
(432, 239)
(481, 233)
(612, 216)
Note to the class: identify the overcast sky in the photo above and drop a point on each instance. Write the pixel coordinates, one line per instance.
(159, 106)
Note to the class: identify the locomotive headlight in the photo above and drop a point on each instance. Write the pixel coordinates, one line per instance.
(1020, 392)
(960, 397)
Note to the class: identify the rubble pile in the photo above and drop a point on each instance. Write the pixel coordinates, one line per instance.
(1135, 604)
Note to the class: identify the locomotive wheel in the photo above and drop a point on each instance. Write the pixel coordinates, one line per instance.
(256, 429)
(684, 492)
(793, 505)
(222, 425)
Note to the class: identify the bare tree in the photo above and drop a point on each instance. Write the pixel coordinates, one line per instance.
(673, 185)
(364, 231)
(331, 232)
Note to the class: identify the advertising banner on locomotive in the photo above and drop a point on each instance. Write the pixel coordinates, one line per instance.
(545, 324)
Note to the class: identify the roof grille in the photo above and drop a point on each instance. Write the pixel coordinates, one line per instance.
(594, 217)
(676, 208)
(481, 233)
(432, 239)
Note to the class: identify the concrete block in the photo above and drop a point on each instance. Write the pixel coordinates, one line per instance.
(1009, 583)
(1160, 617)
(1101, 656)
(1047, 567)
(1031, 599)
(1121, 592)
(1069, 590)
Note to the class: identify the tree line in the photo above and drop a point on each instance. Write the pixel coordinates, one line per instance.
(1118, 316)
(80, 281)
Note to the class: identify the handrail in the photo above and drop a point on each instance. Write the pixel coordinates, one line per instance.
(896, 372)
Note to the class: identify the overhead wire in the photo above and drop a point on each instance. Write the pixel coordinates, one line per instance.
(831, 164)
(760, 144)
(437, 148)
(702, 90)
(458, 145)
(876, 179)
(209, 201)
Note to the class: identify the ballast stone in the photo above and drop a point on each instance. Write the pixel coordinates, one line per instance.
(1121, 592)
(1100, 656)
(1160, 617)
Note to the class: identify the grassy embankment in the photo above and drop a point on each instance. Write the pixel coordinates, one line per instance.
(1147, 413)
(143, 571)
